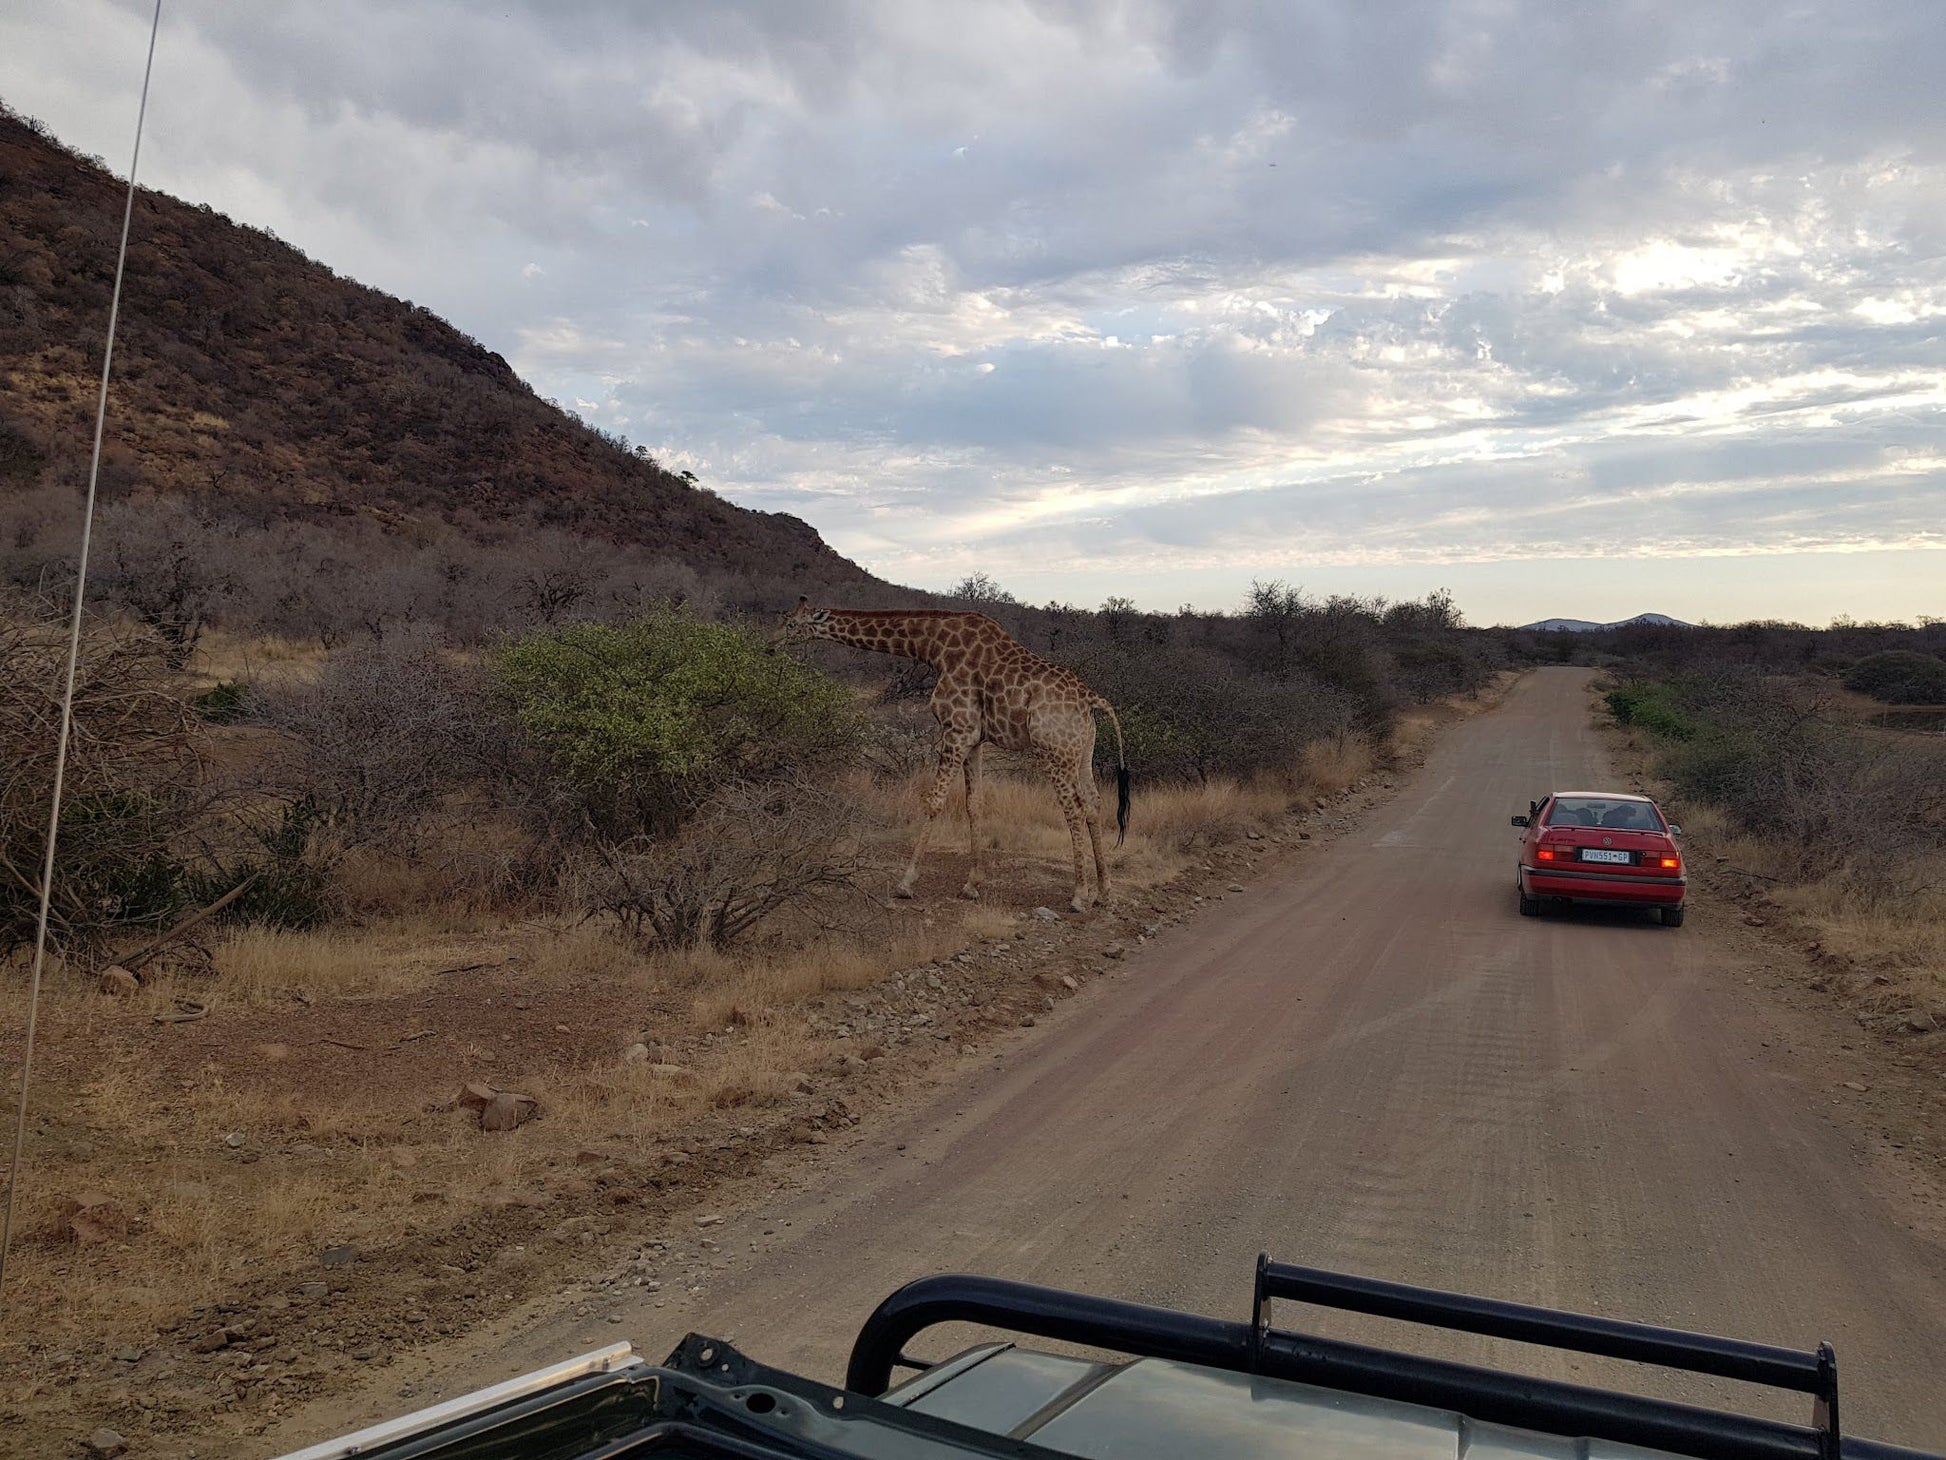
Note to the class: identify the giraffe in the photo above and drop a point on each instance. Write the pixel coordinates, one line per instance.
(992, 690)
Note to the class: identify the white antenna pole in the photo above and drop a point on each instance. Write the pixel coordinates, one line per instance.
(67, 693)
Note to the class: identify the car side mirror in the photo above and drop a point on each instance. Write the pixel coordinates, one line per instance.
(1674, 830)
(1520, 821)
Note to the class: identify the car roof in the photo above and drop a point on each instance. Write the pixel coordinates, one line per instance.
(1605, 795)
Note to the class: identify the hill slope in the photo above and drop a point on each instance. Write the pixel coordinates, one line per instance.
(268, 388)
(1589, 626)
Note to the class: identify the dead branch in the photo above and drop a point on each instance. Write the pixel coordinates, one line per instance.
(149, 950)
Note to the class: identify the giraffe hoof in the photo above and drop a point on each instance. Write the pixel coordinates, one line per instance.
(970, 892)
(902, 891)
(1076, 904)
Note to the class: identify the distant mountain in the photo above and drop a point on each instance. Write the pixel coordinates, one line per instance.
(265, 388)
(1589, 626)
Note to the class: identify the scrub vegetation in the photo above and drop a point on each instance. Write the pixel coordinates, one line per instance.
(1780, 752)
(619, 867)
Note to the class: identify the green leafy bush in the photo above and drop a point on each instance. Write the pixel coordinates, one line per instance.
(1769, 752)
(637, 724)
(1652, 706)
(1900, 677)
(289, 885)
(119, 866)
(224, 704)
(1724, 770)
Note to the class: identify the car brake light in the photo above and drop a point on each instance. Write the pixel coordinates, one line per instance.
(1670, 864)
(1543, 854)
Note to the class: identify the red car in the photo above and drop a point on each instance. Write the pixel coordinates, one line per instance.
(1603, 847)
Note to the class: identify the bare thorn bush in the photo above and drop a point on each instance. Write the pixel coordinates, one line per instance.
(752, 851)
(134, 781)
(384, 732)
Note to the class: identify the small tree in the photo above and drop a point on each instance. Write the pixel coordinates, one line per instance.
(637, 724)
(1117, 613)
(980, 590)
(162, 564)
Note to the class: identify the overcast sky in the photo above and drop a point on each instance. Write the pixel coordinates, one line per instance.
(1578, 309)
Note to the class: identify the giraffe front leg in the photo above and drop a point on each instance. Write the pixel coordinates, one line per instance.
(951, 756)
(971, 891)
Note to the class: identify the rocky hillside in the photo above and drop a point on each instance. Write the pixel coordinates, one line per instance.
(268, 389)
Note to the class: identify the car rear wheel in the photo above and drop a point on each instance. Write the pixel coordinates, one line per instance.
(1672, 917)
(1530, 907)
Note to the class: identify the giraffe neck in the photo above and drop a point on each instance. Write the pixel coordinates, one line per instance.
(886, 633)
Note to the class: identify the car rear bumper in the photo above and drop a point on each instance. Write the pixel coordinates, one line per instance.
(1620, 887)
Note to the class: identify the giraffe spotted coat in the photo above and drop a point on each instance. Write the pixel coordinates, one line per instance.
(992, 690)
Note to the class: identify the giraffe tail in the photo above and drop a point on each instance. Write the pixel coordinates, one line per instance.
(1121, 771)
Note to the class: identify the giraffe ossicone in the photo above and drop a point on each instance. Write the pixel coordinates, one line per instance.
(992, 690)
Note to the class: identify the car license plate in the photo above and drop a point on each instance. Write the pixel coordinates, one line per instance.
(1602, 854)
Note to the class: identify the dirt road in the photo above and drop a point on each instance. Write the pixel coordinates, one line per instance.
(1371, 1063)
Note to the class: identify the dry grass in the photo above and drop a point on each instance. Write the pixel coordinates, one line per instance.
(1021, 818)
(733, 991)
(222, 655)
(256, 965)
(342, 1162)
(1329, 766)
(1859, 919)
(568, 953)
(443, 888)
(312, 1168)
(1181, 818)
(348, 1171)
(398, 955)
(1414, 729)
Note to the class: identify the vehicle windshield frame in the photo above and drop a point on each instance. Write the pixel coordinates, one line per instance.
(1602, 805)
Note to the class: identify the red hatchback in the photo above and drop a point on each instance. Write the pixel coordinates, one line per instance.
(1601, 846)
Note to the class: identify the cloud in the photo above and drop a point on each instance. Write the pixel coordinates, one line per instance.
(1041, 287)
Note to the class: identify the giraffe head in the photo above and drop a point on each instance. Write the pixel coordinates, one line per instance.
(801, 623)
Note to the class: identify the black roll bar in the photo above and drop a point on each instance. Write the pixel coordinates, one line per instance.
(1547, 1405)
(1728, 1358)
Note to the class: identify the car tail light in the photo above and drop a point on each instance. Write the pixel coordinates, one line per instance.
(1543, 854)
(1669, 864)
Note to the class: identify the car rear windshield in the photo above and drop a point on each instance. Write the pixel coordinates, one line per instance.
(1606, 814)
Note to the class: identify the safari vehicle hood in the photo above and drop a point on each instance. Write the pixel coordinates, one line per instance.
(996, 1402)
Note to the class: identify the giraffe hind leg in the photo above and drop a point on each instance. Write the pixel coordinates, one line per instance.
(1072, 809)
(1091, 811)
